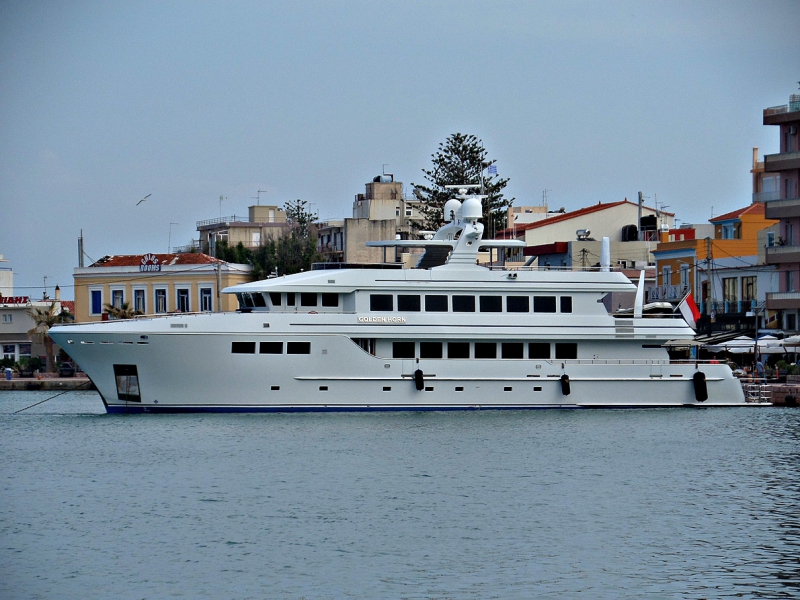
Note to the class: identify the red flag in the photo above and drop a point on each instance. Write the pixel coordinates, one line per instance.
(689, 310)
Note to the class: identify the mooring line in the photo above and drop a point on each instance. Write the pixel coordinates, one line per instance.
(51, 397)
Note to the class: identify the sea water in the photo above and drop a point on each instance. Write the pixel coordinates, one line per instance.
(675, 503)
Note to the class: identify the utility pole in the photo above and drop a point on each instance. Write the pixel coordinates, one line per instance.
(219, 285)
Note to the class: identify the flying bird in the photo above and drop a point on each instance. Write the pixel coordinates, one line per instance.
(143, 199)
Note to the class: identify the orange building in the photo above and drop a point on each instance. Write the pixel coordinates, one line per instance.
(683, 266)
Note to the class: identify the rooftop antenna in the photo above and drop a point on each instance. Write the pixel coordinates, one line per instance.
(384, 167)
(44, 295)
(544, 196)
(258, 196)
(221, 198)
(169, 239)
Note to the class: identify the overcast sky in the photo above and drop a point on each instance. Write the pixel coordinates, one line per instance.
(102, 103)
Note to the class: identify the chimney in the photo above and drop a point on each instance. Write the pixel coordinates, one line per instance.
(58, 294)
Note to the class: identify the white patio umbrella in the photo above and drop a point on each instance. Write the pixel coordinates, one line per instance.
(768, 344)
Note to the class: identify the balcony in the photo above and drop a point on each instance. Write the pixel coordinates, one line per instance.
(775, 115)
(783, 254)
(781, 162)
(667, 292)
(766, 197)
(734, 307)
(783, 300)
(782, 208)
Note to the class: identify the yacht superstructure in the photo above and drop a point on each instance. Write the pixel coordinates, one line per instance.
(454, 336)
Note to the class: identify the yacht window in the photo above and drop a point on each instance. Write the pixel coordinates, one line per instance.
(402, 349)
(518, 304)
(566, 304)
(308, 299)
(458, 349)
(539, 350)
(491, 304)
(289, 298)
(544, 304)
(430, 349)
(408, 303)
(329, 299)
(435, 303)
(270, 348)
(275, 298)
(298, 347)
(566, 350)
(243, 347)
(258, 300)
(381, 302)
(463, 303)
(512, 349)
(485, 350)
(245, 300)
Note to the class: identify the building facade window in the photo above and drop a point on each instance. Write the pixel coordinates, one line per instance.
(749, 288)
(729, 289)
(161, 300)
(206, 304)
(685, 276)
(117, 298)
(96, 301)
(138, 301)
(182, 300)
(666, 275)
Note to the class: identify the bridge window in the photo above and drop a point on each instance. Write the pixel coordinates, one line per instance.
(308, 299)
(402, 349)
(329, 299)
(463, 303)
(491, 303)
(275, 298)
(435, 303)
(298, 347)
(430, 349)
(518, 304)
(544, 304)
(270, 348)
(381, 302)
(243, 347)
(408, 303)
(512, 349)
(566, 304)
(458, 350)
(539, 350)
(485, 350)
(566, 350)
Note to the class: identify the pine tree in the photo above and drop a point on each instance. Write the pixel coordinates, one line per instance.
(461, 159)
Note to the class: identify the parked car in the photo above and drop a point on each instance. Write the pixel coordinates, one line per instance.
(67, 369)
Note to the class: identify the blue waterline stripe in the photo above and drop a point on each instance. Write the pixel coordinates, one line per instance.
(114, 409)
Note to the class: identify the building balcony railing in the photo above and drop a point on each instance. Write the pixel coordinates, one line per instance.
(782, 161)
(330, 248)
(783, 254)
(667, 292)
(766, 196)
(238, 219)
(782, 208)
(783, 300)
(728, 307)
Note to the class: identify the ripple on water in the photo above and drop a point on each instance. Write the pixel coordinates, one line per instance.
(606, 504)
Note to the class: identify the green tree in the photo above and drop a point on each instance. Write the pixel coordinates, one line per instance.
(44, 319)
(123, 311)
(461, 159)
(299, 215)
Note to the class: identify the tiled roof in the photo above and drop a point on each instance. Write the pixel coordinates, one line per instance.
(757, 208)
(68, 305)
(134, 260)
(566, 216)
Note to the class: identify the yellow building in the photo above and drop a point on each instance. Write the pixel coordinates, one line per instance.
(156, 284)
(722, 272)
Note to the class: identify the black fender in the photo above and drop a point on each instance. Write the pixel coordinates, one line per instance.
(700, 386)
(565, 384)
(419, 380)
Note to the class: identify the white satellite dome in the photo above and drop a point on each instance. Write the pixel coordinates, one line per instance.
(451, 208)
(471, 209)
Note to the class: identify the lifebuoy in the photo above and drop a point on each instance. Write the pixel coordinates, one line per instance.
(565, 384)
(700, 387)
(419, 380)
